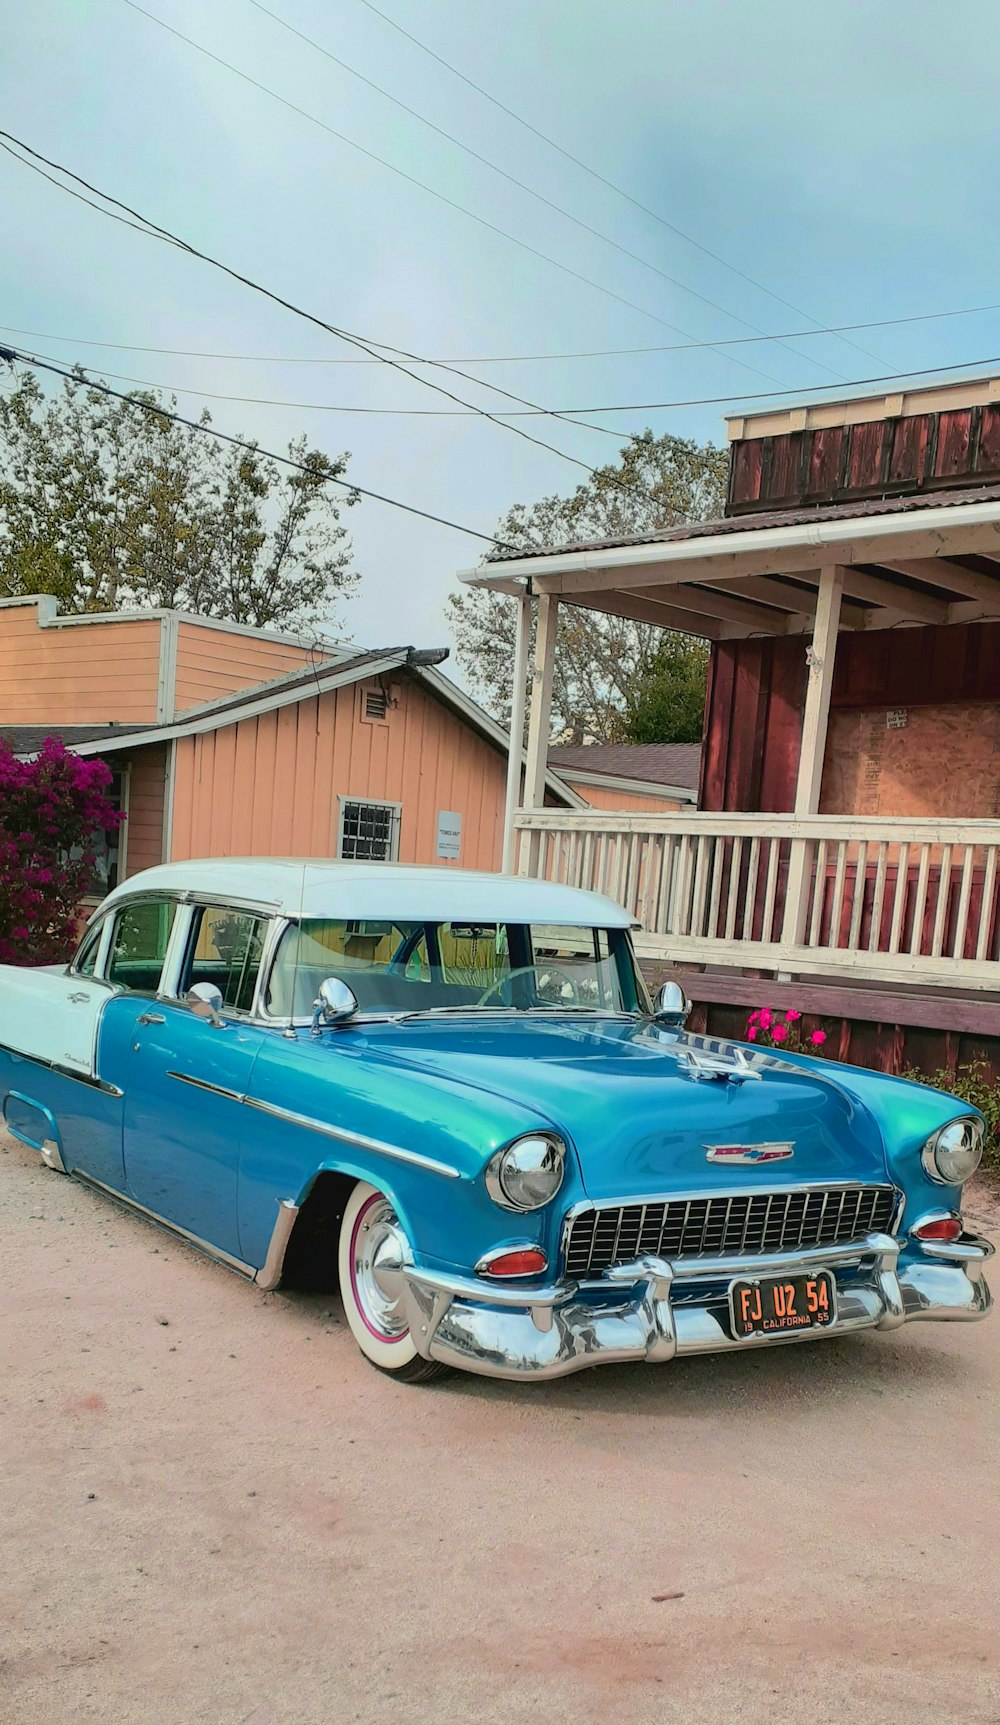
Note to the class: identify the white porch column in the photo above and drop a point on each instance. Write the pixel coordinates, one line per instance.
(541, 701)
(515, 751)
(816, 718)
(820, 658)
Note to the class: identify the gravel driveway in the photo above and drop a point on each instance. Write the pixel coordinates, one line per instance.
(211, 1509)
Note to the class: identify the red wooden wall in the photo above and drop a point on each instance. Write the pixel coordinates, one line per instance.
(756, 693)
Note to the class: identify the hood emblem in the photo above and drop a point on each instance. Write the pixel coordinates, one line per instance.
(743, 1153)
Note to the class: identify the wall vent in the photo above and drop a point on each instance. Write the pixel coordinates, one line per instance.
(376, 704)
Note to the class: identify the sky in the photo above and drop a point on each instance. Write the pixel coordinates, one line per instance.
(843, 158)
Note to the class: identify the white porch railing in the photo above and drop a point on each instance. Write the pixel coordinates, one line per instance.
(896, 901)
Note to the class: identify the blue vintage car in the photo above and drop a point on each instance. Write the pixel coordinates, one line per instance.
(451, 1093)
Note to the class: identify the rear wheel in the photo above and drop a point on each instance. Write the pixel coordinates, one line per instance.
(373, 1247)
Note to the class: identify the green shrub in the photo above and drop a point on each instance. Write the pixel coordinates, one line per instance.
(973, 1083)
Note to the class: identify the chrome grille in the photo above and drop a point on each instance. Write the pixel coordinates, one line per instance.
(747, 1224)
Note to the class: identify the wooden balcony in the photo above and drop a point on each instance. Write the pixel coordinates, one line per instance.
(890, 901)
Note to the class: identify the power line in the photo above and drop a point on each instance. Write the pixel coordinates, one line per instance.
(594, 172)
(14, 356)
(522, 185)
(412, 180)
(524, 413)
(154, 231)
(490, 359)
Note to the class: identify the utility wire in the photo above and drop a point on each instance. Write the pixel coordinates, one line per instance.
(13, 356)
(155, 231)
(524, 413)
(593, 172)
(522, 185)
(488, 359)
(412, 180)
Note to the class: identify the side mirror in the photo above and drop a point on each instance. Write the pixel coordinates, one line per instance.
(672, 1004)
(334, 1005)
(205, 1001)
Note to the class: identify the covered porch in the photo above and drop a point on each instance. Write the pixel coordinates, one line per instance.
(890, 902)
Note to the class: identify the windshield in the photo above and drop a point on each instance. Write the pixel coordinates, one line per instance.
(462, 966)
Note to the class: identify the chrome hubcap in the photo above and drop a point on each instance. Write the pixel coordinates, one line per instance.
(378, 1257)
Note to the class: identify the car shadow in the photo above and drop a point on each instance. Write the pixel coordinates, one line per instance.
(753, 1380)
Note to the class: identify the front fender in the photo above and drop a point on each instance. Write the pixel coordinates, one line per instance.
(330, 1105)
(905, 1115)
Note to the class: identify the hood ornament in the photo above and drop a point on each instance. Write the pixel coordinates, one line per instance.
(740, 1154)
(734, 1069)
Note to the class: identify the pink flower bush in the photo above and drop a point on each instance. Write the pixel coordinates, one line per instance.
(50, 810)
(782, 1030)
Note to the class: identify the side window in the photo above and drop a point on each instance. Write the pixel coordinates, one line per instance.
(139, 944)
(226, 947)
(369, 832)
(86, 956)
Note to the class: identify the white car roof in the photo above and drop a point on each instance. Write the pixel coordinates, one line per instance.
(356, 891)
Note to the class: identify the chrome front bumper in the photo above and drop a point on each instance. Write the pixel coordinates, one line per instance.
(649, 1309)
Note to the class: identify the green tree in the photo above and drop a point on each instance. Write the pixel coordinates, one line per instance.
(109, 506)
(669, 699)
(603, 664)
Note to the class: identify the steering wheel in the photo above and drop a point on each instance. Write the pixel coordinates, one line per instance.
(537, 971)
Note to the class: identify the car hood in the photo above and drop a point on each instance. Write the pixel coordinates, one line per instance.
(626, 1094)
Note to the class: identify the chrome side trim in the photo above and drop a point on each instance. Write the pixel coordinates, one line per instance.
(63, 1071)
(269, 1274)
(357, 1138)
(202, 1084)
(205, 1246)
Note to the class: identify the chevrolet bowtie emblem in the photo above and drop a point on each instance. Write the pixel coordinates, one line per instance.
(739, 1153)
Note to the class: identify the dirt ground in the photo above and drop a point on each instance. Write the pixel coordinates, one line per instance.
(211, 1509)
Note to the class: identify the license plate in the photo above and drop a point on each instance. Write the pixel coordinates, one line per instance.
(777, 1305)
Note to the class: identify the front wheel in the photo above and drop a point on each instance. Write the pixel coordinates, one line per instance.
(372, 1251)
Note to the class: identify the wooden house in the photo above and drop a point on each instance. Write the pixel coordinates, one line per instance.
(843, 860)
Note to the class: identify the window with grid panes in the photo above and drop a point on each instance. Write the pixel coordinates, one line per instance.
(369, 832)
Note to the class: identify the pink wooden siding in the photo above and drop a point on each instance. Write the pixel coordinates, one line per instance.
(270, 786)
(605, 797)
(213, 662)
(78, 673)
(144, 827)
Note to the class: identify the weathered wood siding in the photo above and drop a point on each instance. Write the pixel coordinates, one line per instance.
(214, 662)
(78, 672)
(270, 786)
(756, 695)
(881, 457)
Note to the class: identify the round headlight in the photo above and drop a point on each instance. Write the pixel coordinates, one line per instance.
(955, 1151)
(528, 1173)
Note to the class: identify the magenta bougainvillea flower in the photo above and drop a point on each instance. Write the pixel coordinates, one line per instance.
(786, 1031)
(51, 810)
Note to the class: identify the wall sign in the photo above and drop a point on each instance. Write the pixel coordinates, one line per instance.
(897, 719)
(449, 834)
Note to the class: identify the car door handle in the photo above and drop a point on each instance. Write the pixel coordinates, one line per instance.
(151, 1018)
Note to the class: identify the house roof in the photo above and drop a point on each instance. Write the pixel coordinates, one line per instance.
(667, 764)
(28, 739)
(930, 558)
(759, 520)
(297, 685)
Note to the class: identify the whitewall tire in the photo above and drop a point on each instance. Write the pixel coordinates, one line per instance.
(372, 1249)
